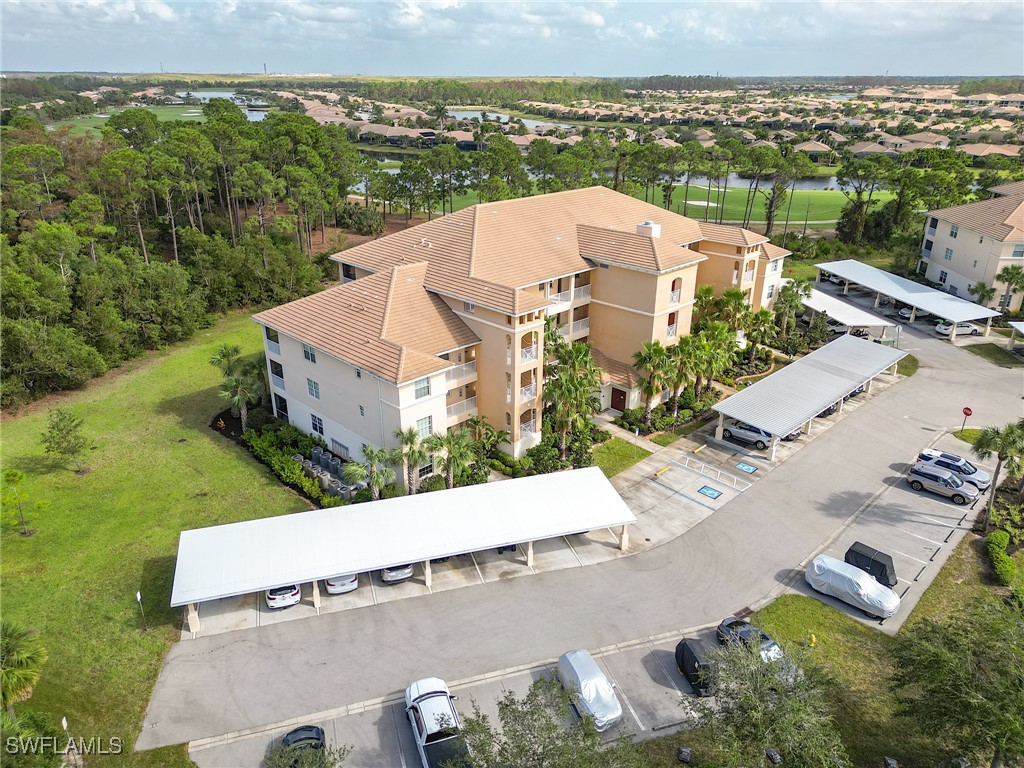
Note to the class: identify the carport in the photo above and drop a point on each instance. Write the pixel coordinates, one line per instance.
(942, 305)
(1016, 326)
(790, 399)
(257, 555)
(845, 313)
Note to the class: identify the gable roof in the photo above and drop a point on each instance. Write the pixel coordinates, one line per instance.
(1001, 217)
(723, 233)
(655, 254)
(387, 323)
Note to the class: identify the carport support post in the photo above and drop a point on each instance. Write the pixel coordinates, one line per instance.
(624, 537)
(316, 596)
(771, 453)
(846, 287)
(988, 328)
(867, 386)
(529, 554)
(952, 334)
(878, 299)
(427, 576)
(807, 426)
(720, 427)
(1013, 336)
(913, 314)
(193, 618)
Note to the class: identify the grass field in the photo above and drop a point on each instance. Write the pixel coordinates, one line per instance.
(157, 469)
(996, 354)
(92, 123)
(615, 455)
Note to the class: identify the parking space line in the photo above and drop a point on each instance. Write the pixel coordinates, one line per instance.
(625, 698)
(569, 544)
(910, 557)
(922, 538)
(398, 737)
(668, 674)
(937, 522)
(478, 571)
(373, 592)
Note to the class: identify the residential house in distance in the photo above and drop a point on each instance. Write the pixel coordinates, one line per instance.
(446, 320)
(972, 243)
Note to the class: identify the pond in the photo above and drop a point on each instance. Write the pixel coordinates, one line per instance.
(469, 114)
(254, 115)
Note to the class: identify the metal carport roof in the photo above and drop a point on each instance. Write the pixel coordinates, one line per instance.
(789, 398)
(844, 312)
(939, 303)
(240, 558)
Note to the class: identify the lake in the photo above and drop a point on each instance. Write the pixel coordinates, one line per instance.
(254, 115)
(469, 114)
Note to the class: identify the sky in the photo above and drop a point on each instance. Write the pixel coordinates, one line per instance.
(603, 38)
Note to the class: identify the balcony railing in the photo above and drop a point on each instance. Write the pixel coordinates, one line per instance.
(528, 426)
(463, 406)
(460, 371)
(527, 393)
(748, 276)
(583, 292)
(561, 297)
(671, 332)
(508, 393)
(528, 354)
(581, 326)
(563, 330)
(277, 381)
(674, 297)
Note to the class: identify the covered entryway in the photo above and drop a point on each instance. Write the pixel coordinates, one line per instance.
(618, 399)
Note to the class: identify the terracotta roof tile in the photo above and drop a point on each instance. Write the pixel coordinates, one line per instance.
(656, 254)
(615, 371)
(723, 233)
(1001, 217)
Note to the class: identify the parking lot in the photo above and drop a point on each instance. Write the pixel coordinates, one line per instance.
(655, 700)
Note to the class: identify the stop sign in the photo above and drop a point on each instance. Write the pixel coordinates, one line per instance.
(967, 411)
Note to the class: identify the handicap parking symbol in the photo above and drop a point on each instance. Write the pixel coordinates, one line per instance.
(710, 492)
(748, 468)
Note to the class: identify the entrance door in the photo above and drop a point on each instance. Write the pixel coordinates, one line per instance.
(618, 399)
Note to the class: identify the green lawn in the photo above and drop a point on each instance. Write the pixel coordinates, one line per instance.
(996, 354)
(91, 124)
(967, 435)
(907, 366)
(615, 455)
(157, 469)
(670, 436)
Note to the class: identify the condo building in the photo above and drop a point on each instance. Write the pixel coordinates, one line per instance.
(444, 321)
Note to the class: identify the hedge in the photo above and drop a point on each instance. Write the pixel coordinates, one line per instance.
(1003, 565)
(275, 445)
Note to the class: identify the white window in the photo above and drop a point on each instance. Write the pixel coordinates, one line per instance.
(469, 306)
(771, 291)
(1004, 301)
(318, 423)
(271, 334)
(425, 426)
(314, 389)
(348, 272)
(949, 254)
(1018, 251)
(775, 266)
(309, 353)
(953, 230)
(362, 411)
(359, 374)
(422, 387)
(426, 469)
(943, 276)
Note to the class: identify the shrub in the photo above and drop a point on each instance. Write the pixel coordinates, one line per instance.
(1010, 517)
(363, 494)
(600, 436)
(275, 445)
(431, 483)
(497, 466)
(544, 457)
(392, 490)
(1003, 565)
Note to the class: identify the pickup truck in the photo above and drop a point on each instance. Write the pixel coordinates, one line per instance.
(436, 727)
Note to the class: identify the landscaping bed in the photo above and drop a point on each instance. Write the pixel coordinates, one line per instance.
(691, 409)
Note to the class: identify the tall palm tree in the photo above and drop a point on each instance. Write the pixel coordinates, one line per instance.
(982, 292)
(570, 391)
(257, 368)
(760, 329)
(714, 350)
(413, 454)
(226, 358)
(1008, 446)
(703, 304)
(21, 662)
(241, 391)
(730, 307)
(652, 360)
(485, 437)
(456, 453)
(789, 300)
(1013, 278)
(375, 469)
(681, 360)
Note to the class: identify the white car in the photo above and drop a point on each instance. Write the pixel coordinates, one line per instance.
(435, 722)
(284, 597)
(339, 585)
(945, 329)
(852, 585)
(907, 311)
(837, 327)
(396, 574)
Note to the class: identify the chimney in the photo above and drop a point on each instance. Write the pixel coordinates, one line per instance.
(649, 229)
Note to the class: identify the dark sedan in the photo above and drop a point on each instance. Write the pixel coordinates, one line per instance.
(305, 737)
(739, 632)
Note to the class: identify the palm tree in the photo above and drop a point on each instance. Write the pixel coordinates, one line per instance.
(375, 469)
(485, 437)
(21, 662)
(760, 329)
(703, 304)
(571, 392)
(681, 359)
(456, 451)
(226, 358)
(789, 300)
(257, 368)
(652, 359)
(982, 292)
(241, 391)
(1008, 446)
(413, 454)
(730, 307)
(1013, 278)
(714, 350)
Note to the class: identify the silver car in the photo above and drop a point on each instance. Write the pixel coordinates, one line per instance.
(593, 694)
(925, 477)
(396, 574)
(747, 433)
(956, 465)
(851, 585)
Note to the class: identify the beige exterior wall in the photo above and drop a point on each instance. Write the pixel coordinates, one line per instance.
(973, 258)
(729, 266)
(766, 287)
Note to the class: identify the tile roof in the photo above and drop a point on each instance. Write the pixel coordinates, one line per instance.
(1001, 217)
(1013, 188)
(656, 254)
(723, 233)
(770, 251)
(615, 371)
(387, 323)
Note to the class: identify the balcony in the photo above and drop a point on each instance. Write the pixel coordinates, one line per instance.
(461, 407)
(581, 293)
(528, 354)
(559, 298)
(277, 381)
(563, 330)
(674, 297)
(528, 427)
(459, 372)
(671, 333)
(560, 302)
(748, 276)
(581, 326)
(528, 393)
